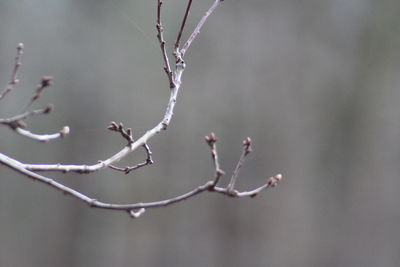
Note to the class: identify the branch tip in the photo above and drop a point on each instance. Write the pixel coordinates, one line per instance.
(274, 180)
(20, 47)
(178, 38)
(49, 108)
(47, 81)
(113, 126)
(160, 37)
(14, 80)
(64, 131)
(199, 26)
(211, 139)
(247, 145)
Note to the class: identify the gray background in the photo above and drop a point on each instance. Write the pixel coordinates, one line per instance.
(314, 83)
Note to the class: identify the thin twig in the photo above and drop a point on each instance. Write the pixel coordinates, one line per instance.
(178, 39)
(271, 182)
(26, 115)
(45, 82)
(160, 37)
(43, 137)
(18, 125)
(211, 139)
(199, 26)
(126, 134)
(128, 169)
(246, 150)
(13, 81)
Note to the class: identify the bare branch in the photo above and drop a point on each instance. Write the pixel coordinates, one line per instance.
(162, 125)
(127, 134)
(178, 39)
(128, 169)
(246, 150)
(271, 182)
(199, 26)
(17, 124)
(25, 115)
(211, 139)
(13, 81)
(43, 137)
(160, 37)
(45, 82)
(135, 210)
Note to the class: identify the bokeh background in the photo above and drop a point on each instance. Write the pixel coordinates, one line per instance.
(314, 83)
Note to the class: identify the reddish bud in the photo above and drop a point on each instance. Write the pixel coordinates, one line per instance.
(48, 109)
(113, 126)
(20, 46)
(247, 144)
(47, 81)
(211, 139)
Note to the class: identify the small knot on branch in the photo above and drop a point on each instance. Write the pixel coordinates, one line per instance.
(92, 202)
(136, 214)
(180, 64)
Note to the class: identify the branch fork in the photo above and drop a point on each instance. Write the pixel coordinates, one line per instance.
(18, 124)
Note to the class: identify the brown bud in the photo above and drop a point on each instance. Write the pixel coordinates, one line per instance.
(47, 81)
(247, 144)
(113, 126)
(247, 141)
(129, 131)
(271, 181)
(48, 109)
(20, 46)
(211, 138)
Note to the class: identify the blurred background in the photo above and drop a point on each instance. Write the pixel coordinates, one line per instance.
(314, 83)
